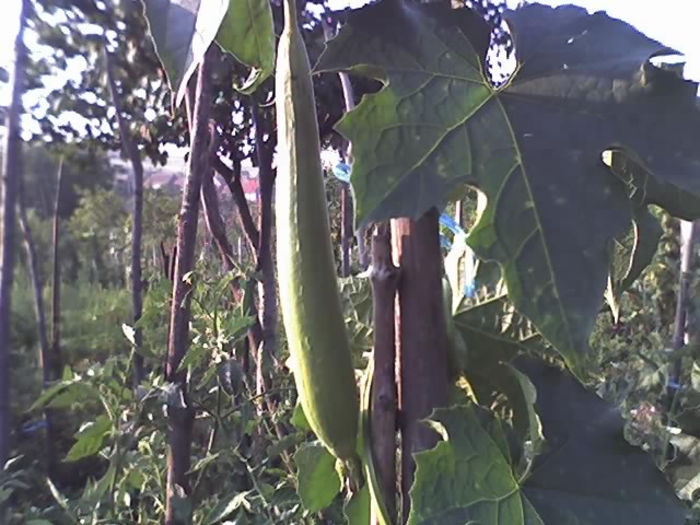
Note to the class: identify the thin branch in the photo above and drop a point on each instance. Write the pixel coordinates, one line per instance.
(232, 177)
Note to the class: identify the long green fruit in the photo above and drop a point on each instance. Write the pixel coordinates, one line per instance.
(309, 297)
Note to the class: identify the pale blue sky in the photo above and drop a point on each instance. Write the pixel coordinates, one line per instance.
(675, 25)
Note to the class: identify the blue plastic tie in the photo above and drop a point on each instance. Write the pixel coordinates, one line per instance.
(449, 223)
(341, 171)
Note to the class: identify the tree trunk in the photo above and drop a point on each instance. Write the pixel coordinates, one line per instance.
(11, 174)
(180, 413)
(42, 333)
(265, 264)
(55, 363)
(385, 280)
(217, 228)
(422, 337)
(37, 287)
(232, 178)
(131, 152)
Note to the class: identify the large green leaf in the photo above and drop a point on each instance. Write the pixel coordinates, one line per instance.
(633, 251)
(467, 477)
(247, 32)
(182, 31)
(493, 331)
(583, 85)
(589, 474)
(494, 334)
(318, 481)
(643, 188)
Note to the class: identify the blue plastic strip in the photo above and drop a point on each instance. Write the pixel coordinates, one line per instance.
(341, 171)
(449, 223)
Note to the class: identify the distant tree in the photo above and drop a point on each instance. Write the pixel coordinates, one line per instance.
(121, 73)
(11, 173)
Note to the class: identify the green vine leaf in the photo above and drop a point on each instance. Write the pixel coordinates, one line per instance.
(357, 509)
(182, 31)
(318, 480)
(633, 251)
(589, 474)
(228, 506)
(505, 379)
(90, 438)
(247, 32)
(493, 331)
(583, 85)
(467, 477)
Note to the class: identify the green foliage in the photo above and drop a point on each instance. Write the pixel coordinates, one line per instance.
(120, 27)
(439, 123)
(632, 253)
(357, 509)
(587, 457)
(12, 480)
(356, 295)
(471, 474)
(100, 238)
(241, 467)
(248, 34)
(182, 32)
(467, 476)
(92, 316)
(318, 480)
(90, 438)
(537, 448)
(84, 170)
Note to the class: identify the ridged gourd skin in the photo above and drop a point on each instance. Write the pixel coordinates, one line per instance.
(309, 297)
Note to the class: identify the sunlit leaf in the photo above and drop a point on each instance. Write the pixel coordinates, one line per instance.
(318, 481)
(90, 438)
(357, 510)
(247, 33)
(182, 31)
(533, 147)
(467, 478)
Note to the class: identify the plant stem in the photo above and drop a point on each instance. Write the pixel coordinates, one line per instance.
(422, 337)
(385, 280)
(181, 418)
(55, 363)
(40, 315)
(131, 152)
